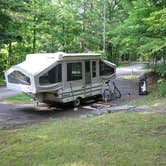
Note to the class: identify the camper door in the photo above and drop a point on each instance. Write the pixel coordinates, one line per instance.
(88, 91)
(87, 73)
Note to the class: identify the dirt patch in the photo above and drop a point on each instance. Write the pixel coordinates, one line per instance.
(161, 110)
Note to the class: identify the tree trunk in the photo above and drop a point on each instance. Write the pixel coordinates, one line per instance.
(104, 25)
(109, 51)
(52, 44)
(155, 60)
(34, 35)
(34, 40)
(9, 54)
(164, 56)
(63, 42)
(116, 55)
(83, 25)
(164, 59)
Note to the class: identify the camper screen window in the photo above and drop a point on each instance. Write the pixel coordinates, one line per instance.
(105, 69)
(94, 68)
(74, 71)
(17, 77)
(52, 76)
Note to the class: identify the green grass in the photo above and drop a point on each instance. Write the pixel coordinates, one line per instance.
(131, 77)
(114, 139)
(21, 98)
(125, 138)
(152, 99)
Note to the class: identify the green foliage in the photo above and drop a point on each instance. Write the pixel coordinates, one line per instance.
(143, 31)
(10, 12)
(48, 26)
(11, 16)
(162, 87)
(2, 81)
(121, 28)
(155, 41)
(160, 69)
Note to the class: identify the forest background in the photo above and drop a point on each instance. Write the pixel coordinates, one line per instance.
(121, 30)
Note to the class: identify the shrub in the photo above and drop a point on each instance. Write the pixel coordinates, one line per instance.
(162, 87)
(160, 69)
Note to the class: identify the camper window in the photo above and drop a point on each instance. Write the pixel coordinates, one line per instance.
(74, 71)
(52, 76)
(105, 69)
(94, 69)
(17, 77)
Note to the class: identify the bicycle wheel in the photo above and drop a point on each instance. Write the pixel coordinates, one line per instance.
(117, 93)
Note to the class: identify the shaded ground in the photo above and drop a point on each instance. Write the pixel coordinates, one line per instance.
(13, 115)
(21, 114)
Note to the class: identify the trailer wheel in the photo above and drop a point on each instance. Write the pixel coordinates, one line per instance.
(98, 97)
(77, 102)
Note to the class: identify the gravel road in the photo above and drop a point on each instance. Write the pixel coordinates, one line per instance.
(13, 115)
(4, 92)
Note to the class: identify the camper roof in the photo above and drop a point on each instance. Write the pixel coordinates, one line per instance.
(35, 63)
(61, 56)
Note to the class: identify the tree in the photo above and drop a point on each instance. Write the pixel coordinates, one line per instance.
(10, 14)
(155, 42)
(142, 31)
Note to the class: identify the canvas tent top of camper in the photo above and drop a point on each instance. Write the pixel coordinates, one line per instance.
(36, 63)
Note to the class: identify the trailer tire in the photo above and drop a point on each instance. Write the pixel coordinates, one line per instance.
(98, 97)
(77, 102)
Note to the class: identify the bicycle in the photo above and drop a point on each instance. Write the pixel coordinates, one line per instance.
(111, 93)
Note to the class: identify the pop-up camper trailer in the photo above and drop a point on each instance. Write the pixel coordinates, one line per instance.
(60, 77)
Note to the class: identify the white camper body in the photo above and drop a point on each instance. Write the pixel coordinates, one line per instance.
(60, 77)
